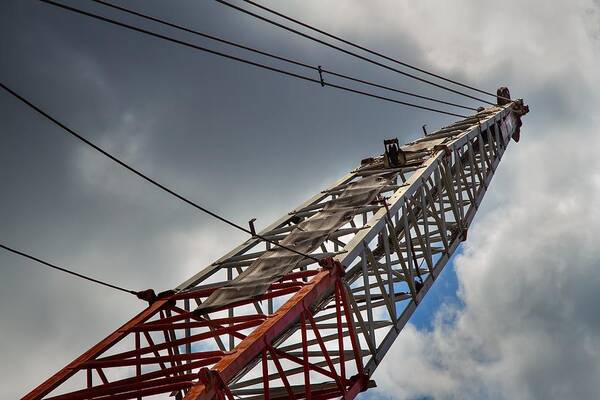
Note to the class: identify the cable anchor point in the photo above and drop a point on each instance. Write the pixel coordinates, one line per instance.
(321, 76)
(252, 228)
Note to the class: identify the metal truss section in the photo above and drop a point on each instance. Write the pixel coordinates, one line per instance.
(317, 330)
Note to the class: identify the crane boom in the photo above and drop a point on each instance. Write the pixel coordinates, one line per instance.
(265, 322)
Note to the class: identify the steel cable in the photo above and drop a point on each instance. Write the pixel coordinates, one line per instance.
(249, 62)
(297, 32)
(67, 271)
(273, 56)
(146, 177)
(365, 49)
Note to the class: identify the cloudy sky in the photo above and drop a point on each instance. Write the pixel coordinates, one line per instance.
(514, 317)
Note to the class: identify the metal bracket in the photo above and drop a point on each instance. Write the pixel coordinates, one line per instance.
(252, 228)
(321, 76)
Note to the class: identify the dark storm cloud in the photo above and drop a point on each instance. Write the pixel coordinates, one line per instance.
(240, 140)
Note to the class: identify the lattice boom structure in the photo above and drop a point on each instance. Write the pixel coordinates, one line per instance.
(262, 322)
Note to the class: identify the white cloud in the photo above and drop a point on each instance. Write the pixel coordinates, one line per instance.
(529, 328)
(526, 45)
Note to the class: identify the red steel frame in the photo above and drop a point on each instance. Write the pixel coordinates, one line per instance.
(175, 373)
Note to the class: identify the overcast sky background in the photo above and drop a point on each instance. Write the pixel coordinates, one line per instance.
(524, 322)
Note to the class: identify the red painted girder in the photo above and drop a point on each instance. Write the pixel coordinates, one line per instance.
(252, 346)
(62, 375)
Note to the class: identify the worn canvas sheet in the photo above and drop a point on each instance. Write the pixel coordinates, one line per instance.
(305, 238)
